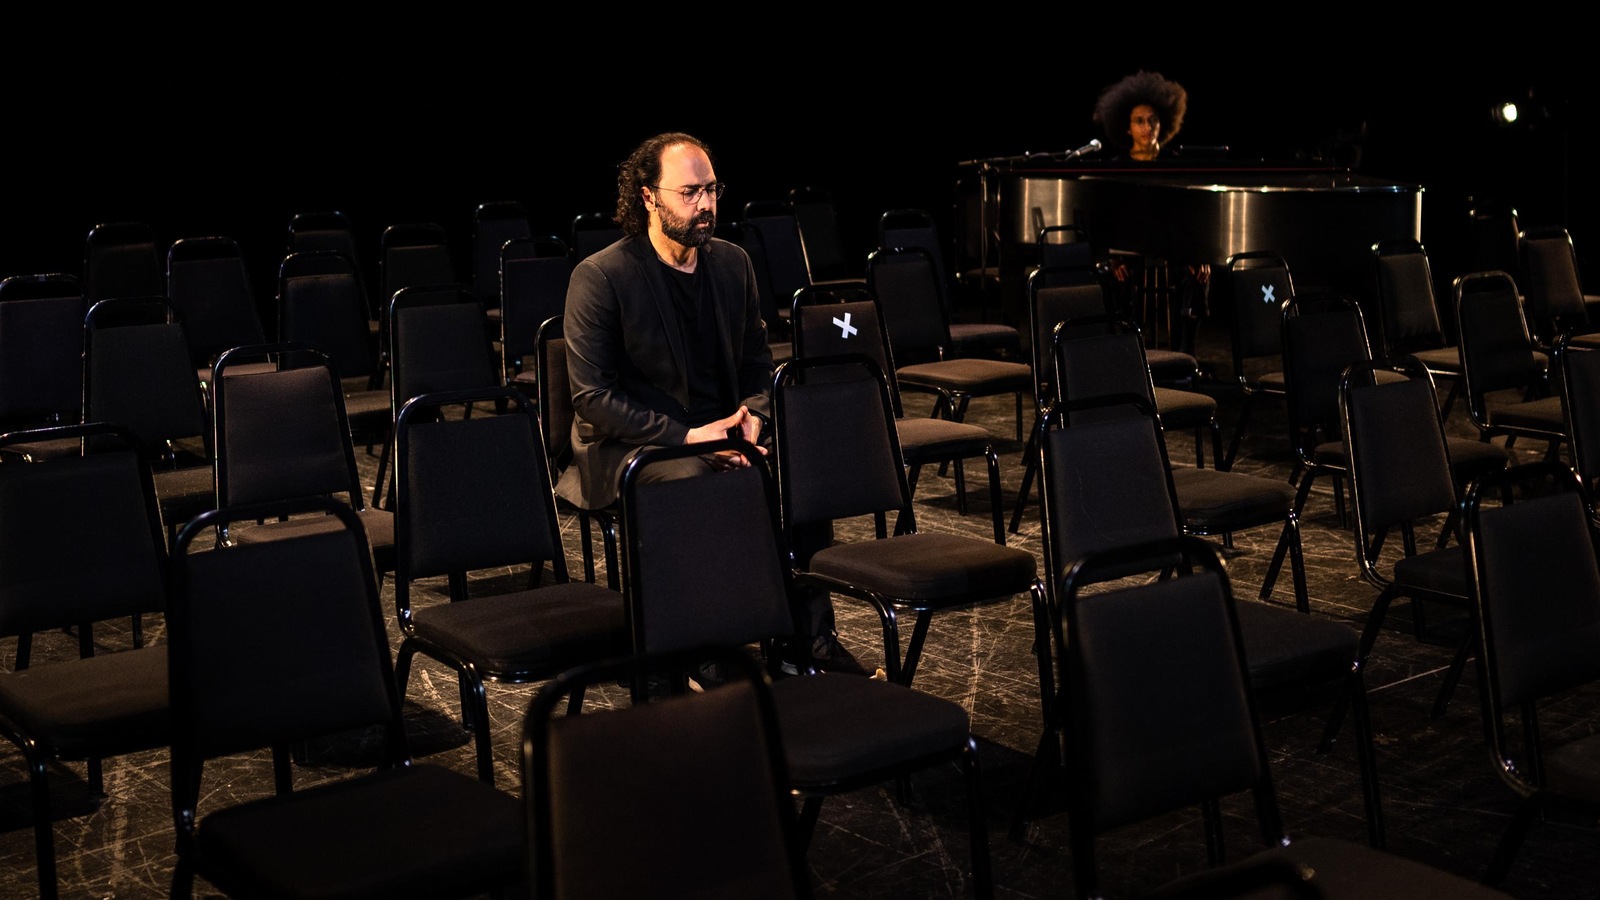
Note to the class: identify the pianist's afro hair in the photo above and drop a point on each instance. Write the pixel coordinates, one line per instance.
(1114, 109)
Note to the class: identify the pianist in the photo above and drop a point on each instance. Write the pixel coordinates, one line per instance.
(1140, 115)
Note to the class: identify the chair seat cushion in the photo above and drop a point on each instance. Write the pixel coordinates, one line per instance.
(929, 569)
(1543, 414)
(1284, 647)
(1170, 365)
(1440, 571)
(1184, 409)
(1441, 359)
(420, 831)
(1212, 502)
(1572, 769)
(101, 706)
(378, 523)
(979, 377)
(531, 633)
(924, 437)
(1471, 459)
(838, 727)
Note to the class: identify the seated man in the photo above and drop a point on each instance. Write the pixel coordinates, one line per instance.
(666, 344)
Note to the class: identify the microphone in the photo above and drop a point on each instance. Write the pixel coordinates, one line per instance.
(1090, 147)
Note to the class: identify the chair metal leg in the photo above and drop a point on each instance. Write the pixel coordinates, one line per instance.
(1510, 842)
(977, 823)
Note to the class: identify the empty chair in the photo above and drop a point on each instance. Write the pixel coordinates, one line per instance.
(1498, 358)
(1056, 297)
(486, 476)
(843, 317)
(123, 259)
(307, 607)
(437, 342)
(916, 228)
(41, 356)
(410, 254)
(138, 373)
(1260, 285)
(652, 781)
(494, 223)
(839, 457)
(332, 230)
(284, 434)
(826, 257)
(1410, 320)
(1553, 296)
(320, 303)
(592, 231)
(1535, 580)
(1579, 365)
(209, 289)
(555, 423)
(80, 543)
(840, 733)
(533, 287)
(1143, 747)
(770, 233)
(905, 281)
(1401, 477)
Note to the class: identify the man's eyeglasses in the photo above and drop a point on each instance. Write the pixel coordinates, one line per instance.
(693, 192)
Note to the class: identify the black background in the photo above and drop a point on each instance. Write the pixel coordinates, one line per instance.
(234, 137)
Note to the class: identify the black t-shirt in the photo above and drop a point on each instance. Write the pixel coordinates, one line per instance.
(692, 299)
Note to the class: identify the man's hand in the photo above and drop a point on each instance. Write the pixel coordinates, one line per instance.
(749, 428)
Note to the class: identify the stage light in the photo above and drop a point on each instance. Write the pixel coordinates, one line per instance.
(1505, 113)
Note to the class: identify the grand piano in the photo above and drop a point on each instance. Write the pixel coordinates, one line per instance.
(1322, 218)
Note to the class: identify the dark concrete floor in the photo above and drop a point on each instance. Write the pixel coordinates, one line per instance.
(1443, 802)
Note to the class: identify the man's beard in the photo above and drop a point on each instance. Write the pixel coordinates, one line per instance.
(686, 230)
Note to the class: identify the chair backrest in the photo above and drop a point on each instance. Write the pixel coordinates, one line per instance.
(137, 373)
(281, 435)
(332, 230)
(652, 780)
(486, 475)
(842, 318)
(210, 290)
(1139, 746)
(322, 619)
(1405, 297)
(1552, 293)
(1536, 581)
(778, 231)
(906, 282)
(1067, 248)
(677, 529)
(494, 223)
(41, 348)
(818, 219)
(910, 227)
(413, 253)
(1053, 298)
(533, 287)
(1497, 351)
(1260, 285)
(593, 231)
(1492, 239)
(1394, 441)
(1099, 356)
(1579, 365)
(1319, 341)
(438, 341)
(123, 259)
(555, 393)
(1105, 478)
(321, 303)
(81, 539)
(837, 445)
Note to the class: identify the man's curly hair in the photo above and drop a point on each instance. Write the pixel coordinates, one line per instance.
(642, 168)
(1114, 109)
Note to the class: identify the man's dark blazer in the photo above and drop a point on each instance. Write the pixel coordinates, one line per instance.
(625, 356)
